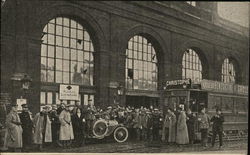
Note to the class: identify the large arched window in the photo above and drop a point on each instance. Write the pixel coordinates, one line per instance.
(191, 66)
(141, 64)
(66, 53)
(228, 71)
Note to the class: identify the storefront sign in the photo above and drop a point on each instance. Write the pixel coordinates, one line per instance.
(69, 92)
(240, 89)
(223, 87)
(178, 82)
(217, 86)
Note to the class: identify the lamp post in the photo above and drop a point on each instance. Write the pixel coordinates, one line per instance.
(20, 84)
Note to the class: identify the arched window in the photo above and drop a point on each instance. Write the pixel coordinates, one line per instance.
(228, 71)
(191, 66)
(141, 64)
(66, 53)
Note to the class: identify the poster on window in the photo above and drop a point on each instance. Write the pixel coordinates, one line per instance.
(69, 92)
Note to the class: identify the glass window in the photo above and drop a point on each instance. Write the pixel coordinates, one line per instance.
(191, 59)
(66, 44)
(141, 64)
(228, 71)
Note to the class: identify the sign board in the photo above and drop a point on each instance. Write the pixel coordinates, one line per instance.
(216, 86)
(178, 82)
(240, 89)
(113, 84)
(224, 87)
(69, 92)
(20, 102)
(185, 83)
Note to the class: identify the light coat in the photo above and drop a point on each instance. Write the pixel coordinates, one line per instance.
(182, 131)
(39, 127)
(66, 129)
(169, 122)
(14, 131)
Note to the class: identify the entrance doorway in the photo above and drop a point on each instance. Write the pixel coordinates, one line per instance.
(145, 101)
(198, 100)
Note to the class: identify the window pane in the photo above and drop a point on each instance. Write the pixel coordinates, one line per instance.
(50, 75)
(66, 53)
(59, 30)
(51, 28)
(43, 75)
(59, 77)
(42, 97)
(51, 51)
(43, 63)
(50, 64)
(51, 39)
(66, 65)
(49, 98)
(66, 42)
(73, 54)
(58, 52)
(58, 41)
(59, 65)
(65, 77)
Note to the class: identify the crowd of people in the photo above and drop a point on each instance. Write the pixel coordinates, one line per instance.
(64, 124)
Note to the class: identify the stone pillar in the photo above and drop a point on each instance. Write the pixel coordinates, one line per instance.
(34, 71)
(102, 72)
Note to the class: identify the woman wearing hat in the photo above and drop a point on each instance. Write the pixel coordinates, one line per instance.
(14, 130)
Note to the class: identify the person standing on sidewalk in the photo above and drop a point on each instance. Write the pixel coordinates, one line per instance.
(27, 125)
(217, 128)
(190, 125)
(204, 124)
(14, 130)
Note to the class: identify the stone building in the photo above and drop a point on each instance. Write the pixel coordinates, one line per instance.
(116, 51)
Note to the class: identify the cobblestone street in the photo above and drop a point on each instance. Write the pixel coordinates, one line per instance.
(140, 147)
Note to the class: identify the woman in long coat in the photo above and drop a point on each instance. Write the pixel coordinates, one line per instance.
(66, 130)
(14, 129)
(182, 131)
(42, 128)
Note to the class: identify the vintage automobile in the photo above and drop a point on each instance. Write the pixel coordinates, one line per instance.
(103, 128)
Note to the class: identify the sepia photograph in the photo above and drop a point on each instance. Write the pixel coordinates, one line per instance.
(131, 77)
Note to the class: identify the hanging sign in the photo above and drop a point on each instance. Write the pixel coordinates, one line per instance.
(20, 102)
(69, 92)
(185, 83)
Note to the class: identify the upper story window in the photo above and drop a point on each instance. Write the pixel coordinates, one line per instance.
(141, 64)
(191, 66)
(228, 71)
(193, 3)
(66, 53)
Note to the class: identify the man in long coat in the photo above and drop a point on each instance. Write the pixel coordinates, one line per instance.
(14, 130)
(170, 124)
(55, 124)
(182, 131)
(190, 125)
(27, 125)
(66, 130)
(42, 128)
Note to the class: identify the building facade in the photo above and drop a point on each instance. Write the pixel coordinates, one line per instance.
(116, 51)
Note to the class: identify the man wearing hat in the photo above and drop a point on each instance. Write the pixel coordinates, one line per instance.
(66, 129)
(55, 124)
(42, 128)
(27, 125)
(14, 130)
(156, 124)
(217, 128)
